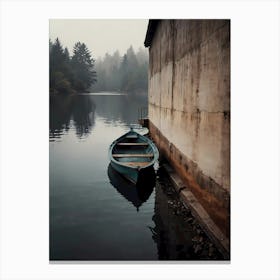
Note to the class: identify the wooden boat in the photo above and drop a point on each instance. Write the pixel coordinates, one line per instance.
(133, 155)
(136, 194)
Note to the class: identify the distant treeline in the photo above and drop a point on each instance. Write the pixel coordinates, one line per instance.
(128, 73)
(70, 74)
(79, 73)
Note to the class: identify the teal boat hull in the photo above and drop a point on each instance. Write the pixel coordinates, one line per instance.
(133, 155)
(129, 173)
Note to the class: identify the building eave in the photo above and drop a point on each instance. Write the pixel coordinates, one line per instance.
(152, 26)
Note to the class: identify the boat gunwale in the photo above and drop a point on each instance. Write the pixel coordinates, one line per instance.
(146, 139)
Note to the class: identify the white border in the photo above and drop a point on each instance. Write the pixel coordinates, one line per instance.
(255, 138)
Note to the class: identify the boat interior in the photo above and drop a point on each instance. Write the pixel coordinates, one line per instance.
(132, 150)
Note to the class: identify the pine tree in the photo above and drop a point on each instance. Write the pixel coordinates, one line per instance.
(124, 73)
(60, 71)
(83, 67)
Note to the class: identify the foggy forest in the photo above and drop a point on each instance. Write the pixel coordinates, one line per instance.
(80, 73)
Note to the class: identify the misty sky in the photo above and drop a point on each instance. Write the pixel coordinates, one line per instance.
(100, 36)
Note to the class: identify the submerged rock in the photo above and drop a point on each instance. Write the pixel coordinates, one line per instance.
(197, 248)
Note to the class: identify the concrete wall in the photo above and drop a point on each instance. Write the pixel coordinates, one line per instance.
(189, 105)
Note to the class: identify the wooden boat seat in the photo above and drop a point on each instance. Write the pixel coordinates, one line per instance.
(132, 144)
(132, 155)
(131, 136)
(134, 164)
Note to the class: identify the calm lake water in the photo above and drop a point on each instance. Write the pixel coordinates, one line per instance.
(94, 215)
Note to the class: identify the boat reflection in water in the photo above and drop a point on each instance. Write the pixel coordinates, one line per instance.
(138, 193)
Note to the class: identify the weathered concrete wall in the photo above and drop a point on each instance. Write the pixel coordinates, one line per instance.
(189, 103)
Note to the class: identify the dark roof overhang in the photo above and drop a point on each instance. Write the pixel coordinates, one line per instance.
(152, 26)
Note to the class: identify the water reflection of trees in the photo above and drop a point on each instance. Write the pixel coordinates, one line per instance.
(120, 108)
(81, 111)
(63, 109)
(83, 115)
